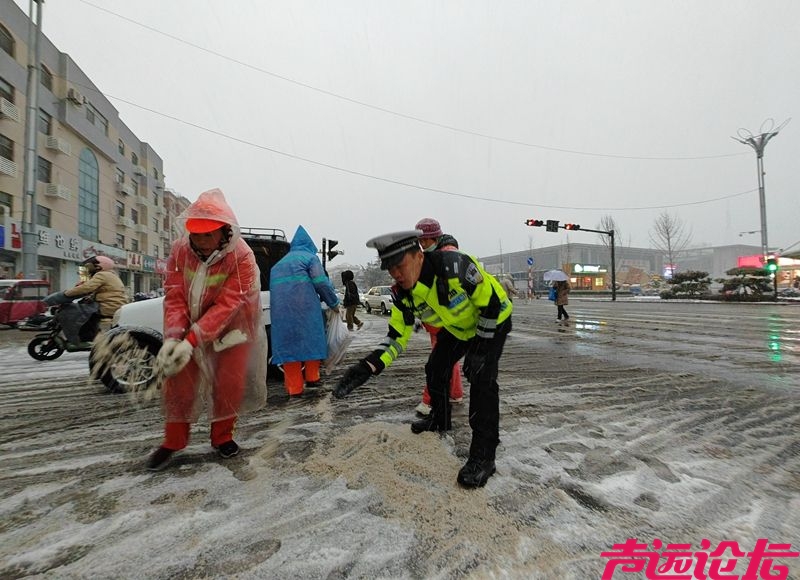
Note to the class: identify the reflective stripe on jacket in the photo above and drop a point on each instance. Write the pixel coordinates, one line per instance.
(453, 292)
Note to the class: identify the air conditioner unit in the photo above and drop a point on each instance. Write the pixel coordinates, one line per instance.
(58, 190)
(125, 188)
(58, 144)
(124, 221)
(141, 201)
(139, 170)
(9, 110)
(76, 98)
(141, 228)
(8, 167)
(159, 210)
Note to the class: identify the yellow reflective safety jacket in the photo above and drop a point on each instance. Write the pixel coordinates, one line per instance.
(453, 292)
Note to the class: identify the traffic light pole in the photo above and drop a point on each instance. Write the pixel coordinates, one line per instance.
(553, 226)
(613, 260)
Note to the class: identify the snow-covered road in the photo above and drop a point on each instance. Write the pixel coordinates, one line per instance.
(629, 423)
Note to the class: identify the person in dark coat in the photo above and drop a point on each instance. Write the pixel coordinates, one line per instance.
(351, 300)
(562, 299)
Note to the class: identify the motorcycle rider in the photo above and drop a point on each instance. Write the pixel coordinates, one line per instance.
(81, 322)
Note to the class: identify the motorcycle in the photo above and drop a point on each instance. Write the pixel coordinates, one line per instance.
(52, 343)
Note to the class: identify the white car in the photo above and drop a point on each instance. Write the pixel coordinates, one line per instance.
(379, 298)
(137, 330)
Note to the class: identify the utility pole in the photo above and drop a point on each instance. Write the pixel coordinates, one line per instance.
(759, 143)
(30, 237)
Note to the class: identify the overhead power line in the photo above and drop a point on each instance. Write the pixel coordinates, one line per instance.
(404, 183)
(404, 115)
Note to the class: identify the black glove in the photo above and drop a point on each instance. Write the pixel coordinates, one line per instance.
(475, 359)
(355, 376)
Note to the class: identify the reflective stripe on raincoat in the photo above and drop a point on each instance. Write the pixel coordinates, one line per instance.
(297, 283)
(219, 300)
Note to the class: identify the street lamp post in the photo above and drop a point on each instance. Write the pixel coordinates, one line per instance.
(30, 238)
(759, 143)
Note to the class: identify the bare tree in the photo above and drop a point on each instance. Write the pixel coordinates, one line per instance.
(609, 224)
(670, 235)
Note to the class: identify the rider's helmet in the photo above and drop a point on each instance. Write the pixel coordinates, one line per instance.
(97, 263)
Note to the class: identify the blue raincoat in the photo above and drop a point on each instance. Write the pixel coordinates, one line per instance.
(297, 284)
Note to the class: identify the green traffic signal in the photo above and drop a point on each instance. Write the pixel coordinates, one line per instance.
(772, 265)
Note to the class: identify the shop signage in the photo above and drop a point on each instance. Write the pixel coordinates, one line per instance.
(97, 249)
(588, 269)
(134, 261)
(55, 244)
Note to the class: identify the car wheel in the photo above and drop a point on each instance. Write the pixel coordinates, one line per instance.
(368, 307)
(384, 310)
(125, 362)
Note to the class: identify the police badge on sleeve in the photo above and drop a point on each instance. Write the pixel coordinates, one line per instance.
(473, 275)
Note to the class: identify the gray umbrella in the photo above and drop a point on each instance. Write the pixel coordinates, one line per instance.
(555, 276)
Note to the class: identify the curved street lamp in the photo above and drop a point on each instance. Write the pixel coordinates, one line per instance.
(758, 143)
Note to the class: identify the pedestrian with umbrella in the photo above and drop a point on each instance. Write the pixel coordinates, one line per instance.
(560, 283)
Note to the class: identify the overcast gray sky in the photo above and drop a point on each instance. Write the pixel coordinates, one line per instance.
(355, 118)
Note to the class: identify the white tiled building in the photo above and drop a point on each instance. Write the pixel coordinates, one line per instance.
(100, 189)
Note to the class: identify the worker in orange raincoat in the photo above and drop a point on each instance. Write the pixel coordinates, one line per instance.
(214, 354)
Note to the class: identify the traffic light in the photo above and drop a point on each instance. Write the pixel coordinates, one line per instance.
(536, 223)
(572, 227)
(772, 265)
(330, 251)
(552, 225)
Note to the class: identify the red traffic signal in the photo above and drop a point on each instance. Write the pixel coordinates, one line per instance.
(536, 223)
(572, 227)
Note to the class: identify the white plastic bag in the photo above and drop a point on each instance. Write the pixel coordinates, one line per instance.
(339, 338)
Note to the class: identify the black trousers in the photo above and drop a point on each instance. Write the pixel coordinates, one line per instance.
(484, 392)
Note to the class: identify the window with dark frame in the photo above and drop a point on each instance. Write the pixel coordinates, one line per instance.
(44, 170)
(43, 216)
(46, 78)
(6, 90)
(45, 123)
(134, 158)
(121, 147)
(134, 216)
(7, 200)
(120, 176)
(6, 41)
(6, 148)
(119, 208)
(134, 245)
(120, 241)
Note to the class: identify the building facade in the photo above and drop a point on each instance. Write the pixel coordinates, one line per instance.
(589, 265)
(100, 189)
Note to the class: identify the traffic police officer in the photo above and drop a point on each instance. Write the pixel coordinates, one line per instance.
(449, 290)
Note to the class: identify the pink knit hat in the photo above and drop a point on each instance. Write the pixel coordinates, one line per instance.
(430, 228)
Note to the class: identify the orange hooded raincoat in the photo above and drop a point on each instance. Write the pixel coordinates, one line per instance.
(219, 301)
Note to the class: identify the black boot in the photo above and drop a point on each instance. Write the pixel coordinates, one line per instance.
(476, 472)
(430, 423)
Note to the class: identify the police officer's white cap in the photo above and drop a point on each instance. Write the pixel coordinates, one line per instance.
(392, 247)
